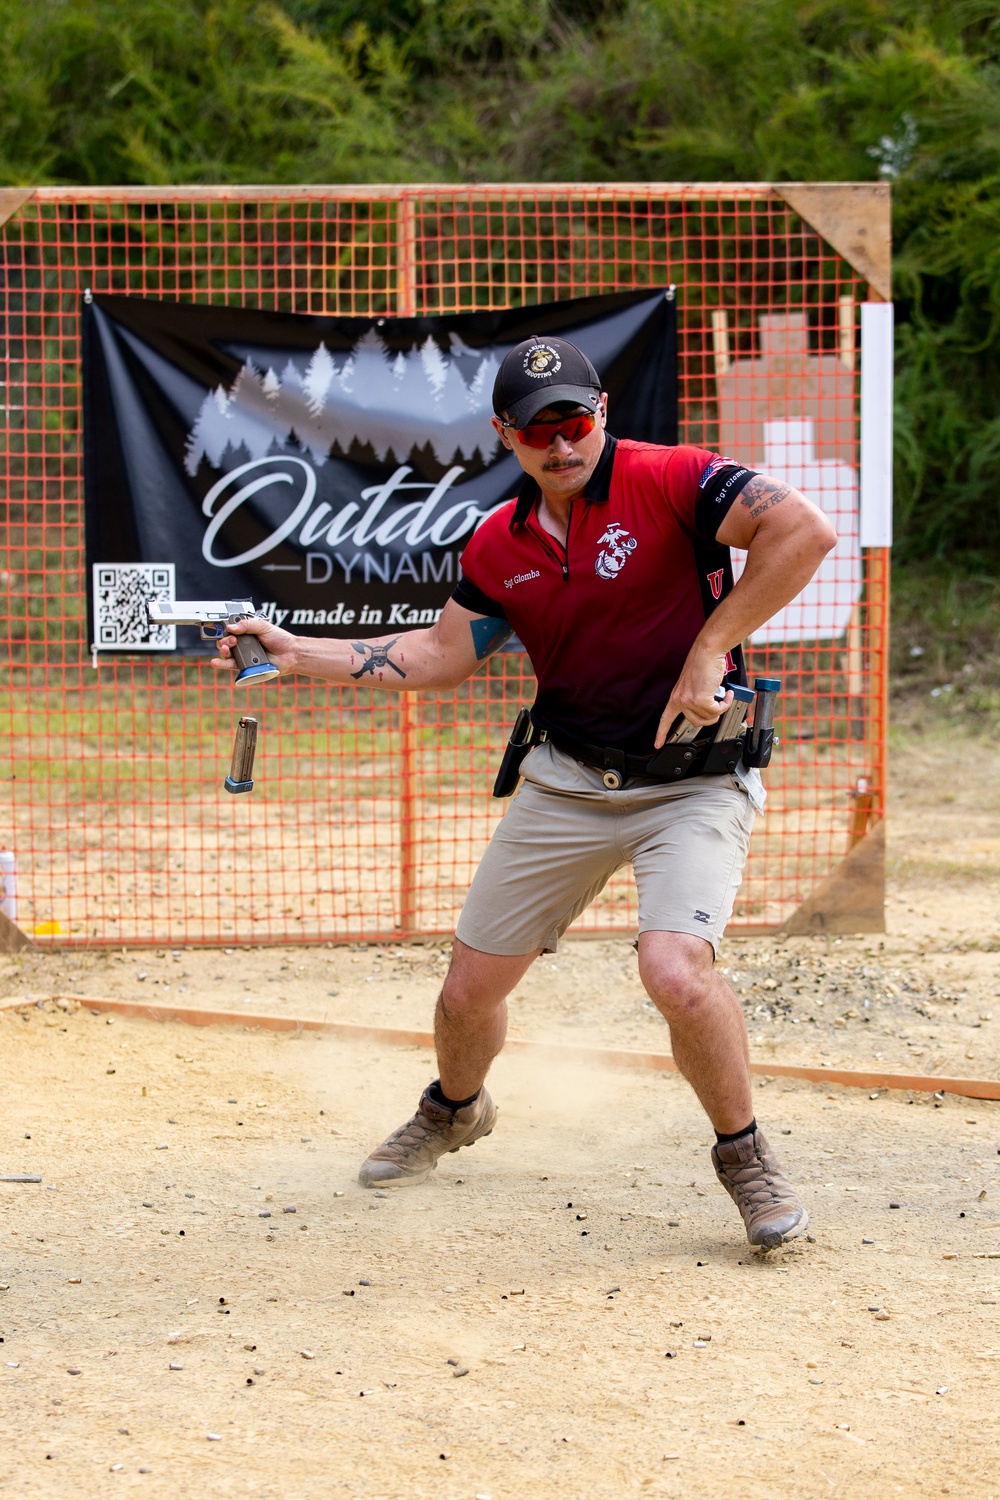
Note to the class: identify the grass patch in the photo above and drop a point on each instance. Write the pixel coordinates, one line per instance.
(944, 650)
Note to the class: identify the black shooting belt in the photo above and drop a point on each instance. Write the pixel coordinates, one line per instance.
(673, 763)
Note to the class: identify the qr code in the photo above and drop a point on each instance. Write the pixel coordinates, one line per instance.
(121, 593)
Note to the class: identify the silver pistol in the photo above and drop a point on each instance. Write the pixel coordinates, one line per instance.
(214, 617)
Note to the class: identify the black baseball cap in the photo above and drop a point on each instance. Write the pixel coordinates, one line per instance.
(540, 372)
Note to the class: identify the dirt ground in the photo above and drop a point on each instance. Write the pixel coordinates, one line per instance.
(445, 1341)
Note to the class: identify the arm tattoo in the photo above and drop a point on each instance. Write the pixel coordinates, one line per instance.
(761, 494)
(764, 505)
(375, 658)
(488, 635)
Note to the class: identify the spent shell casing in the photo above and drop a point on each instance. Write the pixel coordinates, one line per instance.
(240, 778)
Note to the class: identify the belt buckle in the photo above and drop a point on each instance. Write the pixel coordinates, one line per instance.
(612, 776)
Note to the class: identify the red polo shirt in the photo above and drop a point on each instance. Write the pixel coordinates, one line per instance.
(608, 620)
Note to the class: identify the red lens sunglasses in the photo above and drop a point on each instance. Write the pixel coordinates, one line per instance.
(541, 434)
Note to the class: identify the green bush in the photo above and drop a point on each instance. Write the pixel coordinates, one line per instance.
(158, 91)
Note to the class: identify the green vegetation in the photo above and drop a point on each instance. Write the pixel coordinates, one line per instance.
(159, 91)
(945, 651)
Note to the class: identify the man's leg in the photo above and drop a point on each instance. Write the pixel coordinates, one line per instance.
(470, 1022)
(555, 848)
(469, 1028)
(708, 1038)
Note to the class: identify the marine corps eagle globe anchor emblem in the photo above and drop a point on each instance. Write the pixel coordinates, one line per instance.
(618, 548)
(541, 360)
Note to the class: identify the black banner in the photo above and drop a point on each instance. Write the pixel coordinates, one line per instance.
(331, 469)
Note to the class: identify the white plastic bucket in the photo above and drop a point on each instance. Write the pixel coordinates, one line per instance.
(8, 883)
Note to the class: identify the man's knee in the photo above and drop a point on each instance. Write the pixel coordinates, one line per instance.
(461, 997)
(676, 971)
(478, 983)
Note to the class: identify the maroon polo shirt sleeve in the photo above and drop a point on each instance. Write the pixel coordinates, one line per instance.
(474, 589)
(701, 488)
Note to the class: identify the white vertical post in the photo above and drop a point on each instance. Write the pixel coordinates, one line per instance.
(876, 424)
(8, 883)
(720, 340)
(845, 330)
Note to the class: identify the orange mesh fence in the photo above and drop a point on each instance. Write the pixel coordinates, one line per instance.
(371, 810)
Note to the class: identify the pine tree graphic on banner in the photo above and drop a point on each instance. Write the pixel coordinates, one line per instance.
(319, 378)
(392, 406)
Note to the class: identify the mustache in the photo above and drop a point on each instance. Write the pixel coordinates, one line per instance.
(563, 463)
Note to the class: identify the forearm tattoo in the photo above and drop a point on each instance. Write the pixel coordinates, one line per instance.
(761, 494)
(375, 658)
(488, 635)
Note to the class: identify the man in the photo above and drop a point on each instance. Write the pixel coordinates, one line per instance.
(613, 568)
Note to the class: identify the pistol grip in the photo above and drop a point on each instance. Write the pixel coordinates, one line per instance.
(253, 661)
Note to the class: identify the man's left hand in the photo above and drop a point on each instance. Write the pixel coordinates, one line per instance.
(694, 695)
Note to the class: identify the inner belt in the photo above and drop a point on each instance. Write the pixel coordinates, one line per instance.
(601, 757)
(671, 763)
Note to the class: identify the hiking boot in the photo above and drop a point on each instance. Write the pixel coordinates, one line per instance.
(750, 1173)
(411, 1153)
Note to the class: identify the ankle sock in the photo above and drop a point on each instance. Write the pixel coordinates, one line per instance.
(439, 1096)
(725, 1140)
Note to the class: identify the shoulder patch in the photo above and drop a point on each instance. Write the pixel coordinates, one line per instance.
(713, 468)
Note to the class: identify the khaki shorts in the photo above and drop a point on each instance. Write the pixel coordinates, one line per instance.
(564, 836)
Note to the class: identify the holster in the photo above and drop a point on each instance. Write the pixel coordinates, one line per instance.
(695, 758)
(523, 737)
(757, 748)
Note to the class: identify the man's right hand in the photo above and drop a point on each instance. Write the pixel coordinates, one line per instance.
(694, 694)
(280, 645)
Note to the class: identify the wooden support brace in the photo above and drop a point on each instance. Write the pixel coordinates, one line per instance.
(850, 900)
(855, 219)
(12, 939)
(13, 199)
